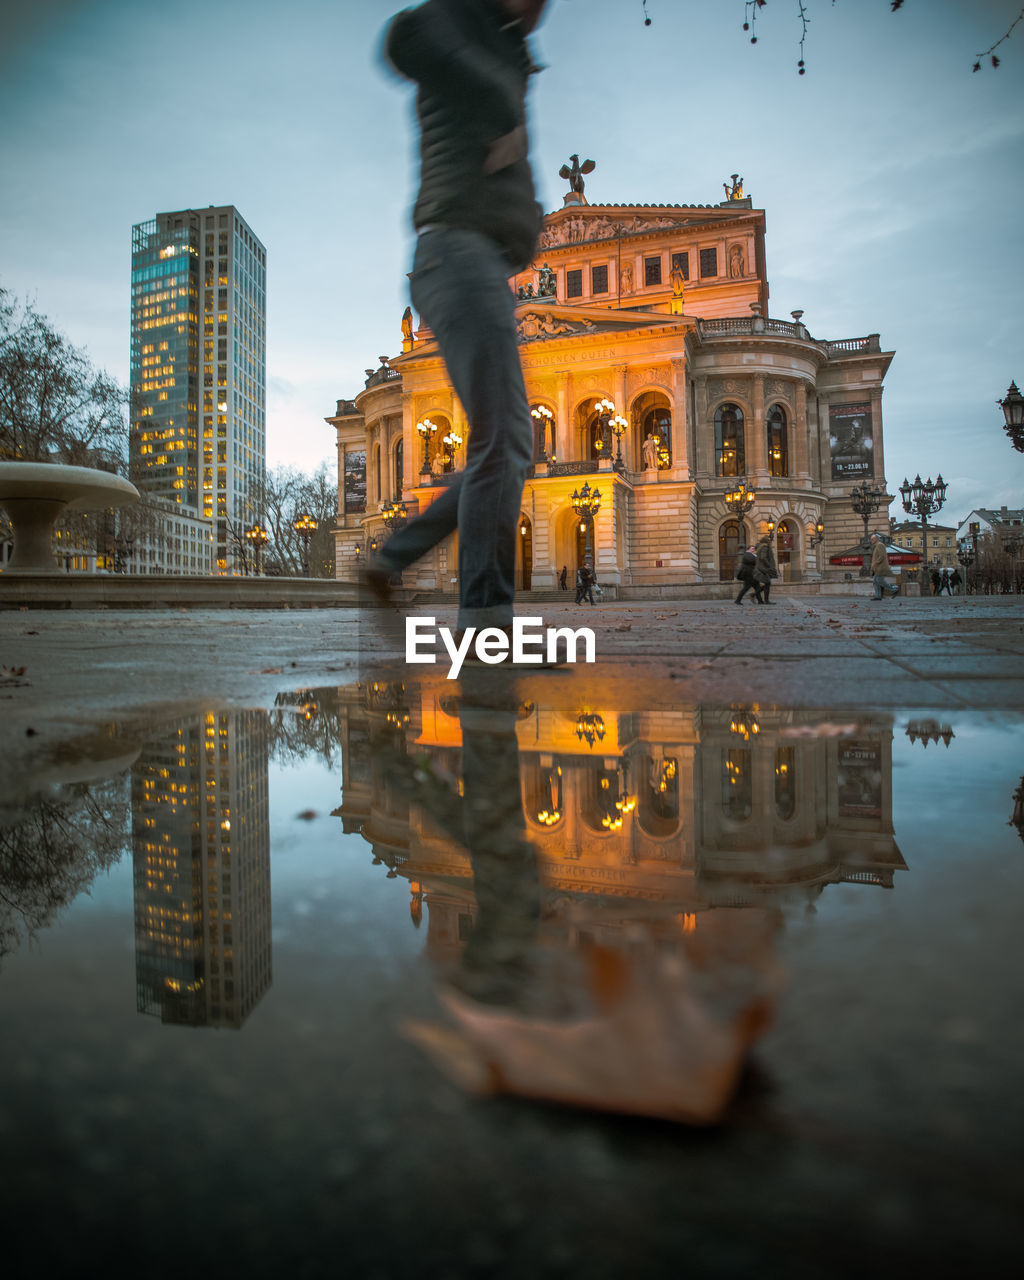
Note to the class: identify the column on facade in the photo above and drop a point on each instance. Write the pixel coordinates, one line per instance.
(563, 427)
(876, 430)
(800, 458)
(703, 430)
(680, 454)
(605, 533)
(757, 457)
(619, 400)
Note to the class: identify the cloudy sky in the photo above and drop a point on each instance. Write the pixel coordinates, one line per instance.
(891, 176)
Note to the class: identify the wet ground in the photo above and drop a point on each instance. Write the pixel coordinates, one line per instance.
(704, 957)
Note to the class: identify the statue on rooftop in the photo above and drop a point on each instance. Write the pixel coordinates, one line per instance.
(575, 173)
(735, 192)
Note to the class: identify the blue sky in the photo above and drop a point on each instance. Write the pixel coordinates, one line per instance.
(891, 177)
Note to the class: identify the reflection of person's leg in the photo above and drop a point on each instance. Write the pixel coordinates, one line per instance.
(460, 287)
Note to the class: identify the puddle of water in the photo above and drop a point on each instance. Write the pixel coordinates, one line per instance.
(373, 890)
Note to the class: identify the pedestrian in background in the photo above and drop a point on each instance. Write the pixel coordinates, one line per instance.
(936, 582)
(880, 570)
(746, 573)
(955, 582)
(563, 578)
(766, 569)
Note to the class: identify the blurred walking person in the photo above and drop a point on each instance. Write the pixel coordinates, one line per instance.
(766, 569)
(747, 574)
(880, 570)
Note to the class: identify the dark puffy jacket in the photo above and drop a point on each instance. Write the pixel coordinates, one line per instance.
(471, 71)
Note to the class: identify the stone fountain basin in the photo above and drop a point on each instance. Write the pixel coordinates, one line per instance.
(36, 494)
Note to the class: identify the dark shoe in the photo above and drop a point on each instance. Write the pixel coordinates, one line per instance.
(375, 585)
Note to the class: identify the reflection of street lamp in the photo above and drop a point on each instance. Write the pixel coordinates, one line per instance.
(393, 514)
(923, 498)
(1013, 411)
(925, 731)
(586, 502)
(589, 727)
(426, 428)
(618, 424)
(259, 537)
(305, 527)
(544, 418)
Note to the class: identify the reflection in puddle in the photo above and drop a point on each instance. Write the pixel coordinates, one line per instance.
(599, 885)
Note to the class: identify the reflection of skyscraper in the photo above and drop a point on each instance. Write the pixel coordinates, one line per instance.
(201, 848)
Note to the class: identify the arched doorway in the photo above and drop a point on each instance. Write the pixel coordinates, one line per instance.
(732, 538)
(524, 554)
(652, 419)
(787, 550)
(584, 539)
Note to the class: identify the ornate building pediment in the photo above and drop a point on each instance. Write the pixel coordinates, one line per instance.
(537, 323)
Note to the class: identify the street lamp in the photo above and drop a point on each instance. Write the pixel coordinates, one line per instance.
(865, 501)
(393, 514)
(923, 498)
(739, 501)
(451, 442)
(1013, 411)
(604, 409)
(619, 424)
(589, 727)
(259, 538)
(305, 527)
(818, 536)
(586, 502)
(544, 418)
(427, 429)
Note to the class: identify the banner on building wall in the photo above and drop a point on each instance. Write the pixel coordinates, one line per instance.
(355, 482)
(851, 441)
(859, 779)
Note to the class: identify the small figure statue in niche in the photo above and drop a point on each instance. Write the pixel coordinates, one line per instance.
(650, 452)
(437, 465)
(546, 288)
(678, 280)
(576, 172)
(735, 192)
(626, 279)
(736, 263)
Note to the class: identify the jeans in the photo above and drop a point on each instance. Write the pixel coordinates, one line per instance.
(460, 287)
(882, 586)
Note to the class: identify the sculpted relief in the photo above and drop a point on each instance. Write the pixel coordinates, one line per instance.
(578, 227)
(535, 326)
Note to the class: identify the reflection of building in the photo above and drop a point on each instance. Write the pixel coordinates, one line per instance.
(201, 849)
(198, 371)
(681, 807)
(661, 313)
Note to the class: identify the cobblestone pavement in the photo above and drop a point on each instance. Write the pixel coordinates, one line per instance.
(946, 653)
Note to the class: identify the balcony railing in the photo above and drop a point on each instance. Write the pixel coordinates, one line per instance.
(384, 374)
(572, 468)
(757, 326)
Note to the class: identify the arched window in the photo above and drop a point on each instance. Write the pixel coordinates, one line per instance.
(729, 459)
(399, 470)
(778, 441)
(657, 422)
(737, 784)
(785, 782)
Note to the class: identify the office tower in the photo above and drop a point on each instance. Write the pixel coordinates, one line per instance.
(198, 369)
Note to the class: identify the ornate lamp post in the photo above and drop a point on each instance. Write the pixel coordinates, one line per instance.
(1013, 411)
(589, 727)
(586, 502)
(123, 548)
(865, 500)
(739, 501)
(544, 418)
(393, 514)
(451, 442)
(259, 538)
(305, 527)
(923, 498)
(818, 536)
(618, 424)
(605, 409)
(427, 429)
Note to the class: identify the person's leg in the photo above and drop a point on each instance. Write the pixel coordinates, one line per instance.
(879, 584)
(460, 287)
(743, 591)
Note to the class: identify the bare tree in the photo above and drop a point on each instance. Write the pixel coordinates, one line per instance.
(288, 494)
(54, 406)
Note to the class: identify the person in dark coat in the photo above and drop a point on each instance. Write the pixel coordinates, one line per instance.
(477, 222)
(563, 578)
(585, 579)
(746, 573)
(936, 582)
(766, 569)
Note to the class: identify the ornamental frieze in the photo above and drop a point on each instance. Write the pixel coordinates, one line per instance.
(775, 389)
(579, 228)
(535, 327)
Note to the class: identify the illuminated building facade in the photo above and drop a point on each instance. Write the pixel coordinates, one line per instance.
(198, 368)
(655, 375)
(201, 854)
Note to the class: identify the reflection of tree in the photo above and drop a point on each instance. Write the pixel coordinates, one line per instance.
(51, 850)
(304, 722)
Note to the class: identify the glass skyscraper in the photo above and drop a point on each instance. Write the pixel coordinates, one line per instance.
(199, 369)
